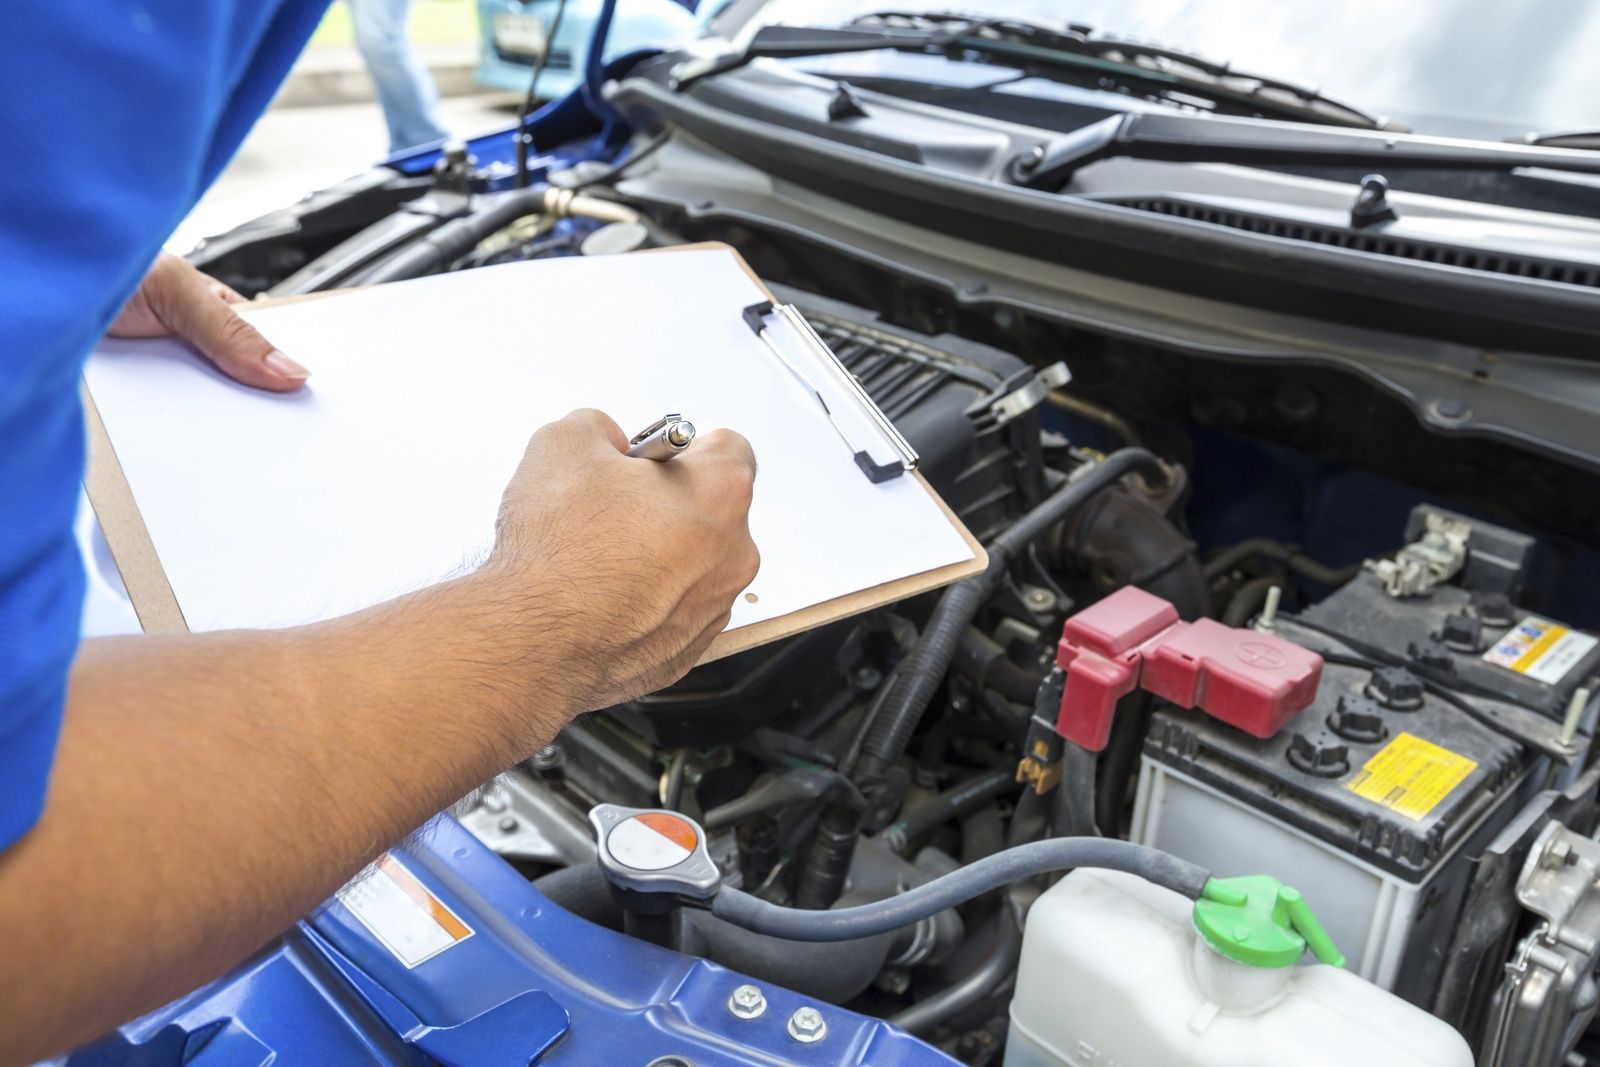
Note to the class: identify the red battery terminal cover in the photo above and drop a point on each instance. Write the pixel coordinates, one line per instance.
(1134, 640)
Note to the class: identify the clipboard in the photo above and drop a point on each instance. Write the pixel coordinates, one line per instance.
(156, 604)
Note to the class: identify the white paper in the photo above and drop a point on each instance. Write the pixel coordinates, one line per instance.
(385, 473)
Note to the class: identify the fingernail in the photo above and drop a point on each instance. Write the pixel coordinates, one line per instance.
(285, 367)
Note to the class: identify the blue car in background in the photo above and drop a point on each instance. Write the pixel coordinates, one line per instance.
(513, 34)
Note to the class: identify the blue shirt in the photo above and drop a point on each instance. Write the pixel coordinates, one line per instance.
(115, 115)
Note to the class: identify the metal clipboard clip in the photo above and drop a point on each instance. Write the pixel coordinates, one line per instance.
(891, 455)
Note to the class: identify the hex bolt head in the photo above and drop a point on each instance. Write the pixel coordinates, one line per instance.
(747, 1002)
(550, 762)
(867, 678)
(808, 1026)
(1557, 854)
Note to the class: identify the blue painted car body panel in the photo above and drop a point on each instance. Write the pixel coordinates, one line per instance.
(532, 984)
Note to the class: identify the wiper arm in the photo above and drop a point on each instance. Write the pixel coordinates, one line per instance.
(1214, 139)
(786, 42)
(1018, 42)
(1164, 68)
(1588, 140)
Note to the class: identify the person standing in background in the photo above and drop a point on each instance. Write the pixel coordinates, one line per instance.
(405, 89)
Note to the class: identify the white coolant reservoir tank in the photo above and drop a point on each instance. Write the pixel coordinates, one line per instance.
(1117, 972)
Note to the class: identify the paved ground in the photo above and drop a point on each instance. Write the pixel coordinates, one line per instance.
(431, 21)
(324, 125)
(294, 150)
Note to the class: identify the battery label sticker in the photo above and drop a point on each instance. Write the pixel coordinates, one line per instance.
(1410, 776)
(400, 912)
(1543, 650)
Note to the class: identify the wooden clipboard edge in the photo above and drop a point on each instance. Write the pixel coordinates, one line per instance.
(730, 642)
(745, 638)
(154, 602)
(125, 532)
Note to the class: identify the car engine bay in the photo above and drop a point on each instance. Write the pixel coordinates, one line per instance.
(1176, 502)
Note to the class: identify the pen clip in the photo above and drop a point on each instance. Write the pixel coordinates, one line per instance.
(653, 427)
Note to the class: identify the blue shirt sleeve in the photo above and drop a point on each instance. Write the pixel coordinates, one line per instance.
(115, 115)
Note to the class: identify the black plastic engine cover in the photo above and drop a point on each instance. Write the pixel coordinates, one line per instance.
(987, 475)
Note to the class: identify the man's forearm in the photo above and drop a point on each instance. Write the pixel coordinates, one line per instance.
(210, 789)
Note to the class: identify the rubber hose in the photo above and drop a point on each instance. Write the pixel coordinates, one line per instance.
(1129, 726)
(1247, 600)
(934, 749)
(982, 834)
(1104, 417)
(455, 239)
(1030, 820)
(981, 659)
(784, 750)
(922, 671)
(834, 973)
(951, 890)
(1075, 796)
(1289, 555)
(1123, 537)
(827, 861)
(1001, 964)
(583, 890)
(801, 785)
(952, 804)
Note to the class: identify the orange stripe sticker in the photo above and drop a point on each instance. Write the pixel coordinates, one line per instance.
(675, 829)
(398, 910)
(426, 900)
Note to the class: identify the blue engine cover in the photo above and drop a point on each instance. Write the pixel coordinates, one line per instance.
(530, 983)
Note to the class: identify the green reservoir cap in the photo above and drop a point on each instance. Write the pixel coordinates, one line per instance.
(1260, 921)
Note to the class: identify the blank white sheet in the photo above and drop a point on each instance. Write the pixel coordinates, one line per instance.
(385, 473)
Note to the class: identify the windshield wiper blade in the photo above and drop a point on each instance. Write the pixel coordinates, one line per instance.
(787, 42)
(1166, 73)
(1215, 139)
(1165, 69)
(1589, 140)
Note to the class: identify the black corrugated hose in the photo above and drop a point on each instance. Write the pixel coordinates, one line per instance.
(921, 673)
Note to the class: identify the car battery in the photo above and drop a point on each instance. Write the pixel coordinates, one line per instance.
(1376, 798)
(1467, 632)
(1373, 801)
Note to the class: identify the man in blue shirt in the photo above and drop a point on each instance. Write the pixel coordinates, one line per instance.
(168, 804)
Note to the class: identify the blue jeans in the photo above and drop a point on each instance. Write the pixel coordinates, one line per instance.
(405, 89)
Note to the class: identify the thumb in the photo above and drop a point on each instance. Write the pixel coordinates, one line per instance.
(194, 311)
(600, 426)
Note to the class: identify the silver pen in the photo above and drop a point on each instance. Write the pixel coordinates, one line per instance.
(662, 439)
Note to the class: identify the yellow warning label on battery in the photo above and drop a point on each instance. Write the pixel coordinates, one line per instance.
(1410, 776)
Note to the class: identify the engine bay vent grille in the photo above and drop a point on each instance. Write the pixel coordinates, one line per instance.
(1373, 243)
(898, 373)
